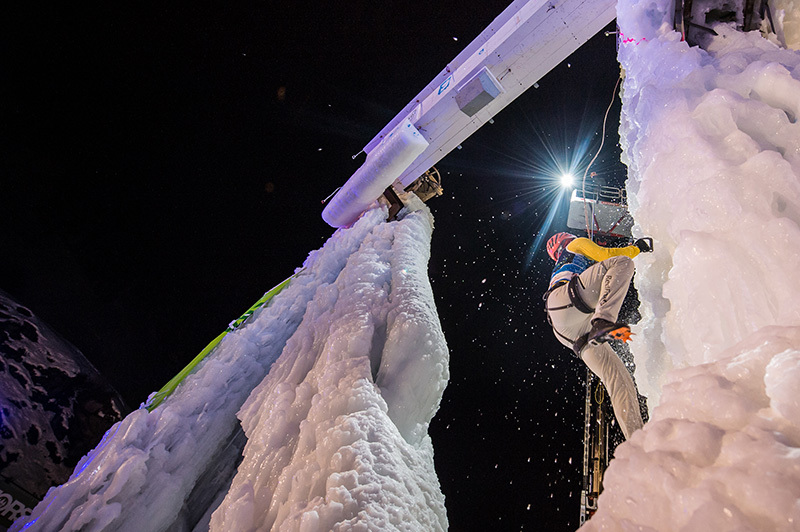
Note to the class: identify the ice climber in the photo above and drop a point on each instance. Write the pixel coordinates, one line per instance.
(586, 291)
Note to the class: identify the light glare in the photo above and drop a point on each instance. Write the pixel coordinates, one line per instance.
(567, 180)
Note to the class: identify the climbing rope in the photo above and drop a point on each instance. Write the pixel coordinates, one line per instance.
(590, 227)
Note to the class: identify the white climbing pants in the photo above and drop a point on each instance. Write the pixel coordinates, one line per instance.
(602, 286)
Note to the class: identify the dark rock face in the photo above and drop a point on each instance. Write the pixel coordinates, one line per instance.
(54, 408)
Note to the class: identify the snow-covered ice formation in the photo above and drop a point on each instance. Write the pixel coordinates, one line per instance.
(336, 433)
(713, 148)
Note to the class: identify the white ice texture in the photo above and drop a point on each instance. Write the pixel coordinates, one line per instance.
(336, 431)
(712, 143)
(335, 383)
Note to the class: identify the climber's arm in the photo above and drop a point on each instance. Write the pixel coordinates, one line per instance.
(587, 248)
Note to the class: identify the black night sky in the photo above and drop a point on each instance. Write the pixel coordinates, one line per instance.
(164, 165)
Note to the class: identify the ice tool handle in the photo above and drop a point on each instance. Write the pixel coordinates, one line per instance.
(645, 244)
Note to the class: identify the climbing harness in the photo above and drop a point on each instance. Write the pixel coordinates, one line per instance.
(575, 301)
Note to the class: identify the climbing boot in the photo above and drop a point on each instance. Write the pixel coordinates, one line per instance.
(604, 331)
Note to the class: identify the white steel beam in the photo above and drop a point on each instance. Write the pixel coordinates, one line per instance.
(527, 40)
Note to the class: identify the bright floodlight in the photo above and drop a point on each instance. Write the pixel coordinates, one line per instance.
(566, 180)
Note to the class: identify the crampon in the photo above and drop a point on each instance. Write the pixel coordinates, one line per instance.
(607, 332)
(623, 334)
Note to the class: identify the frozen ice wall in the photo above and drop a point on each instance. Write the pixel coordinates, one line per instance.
(711, 141)
(355, 364)
(337, 432)
(713, 147)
